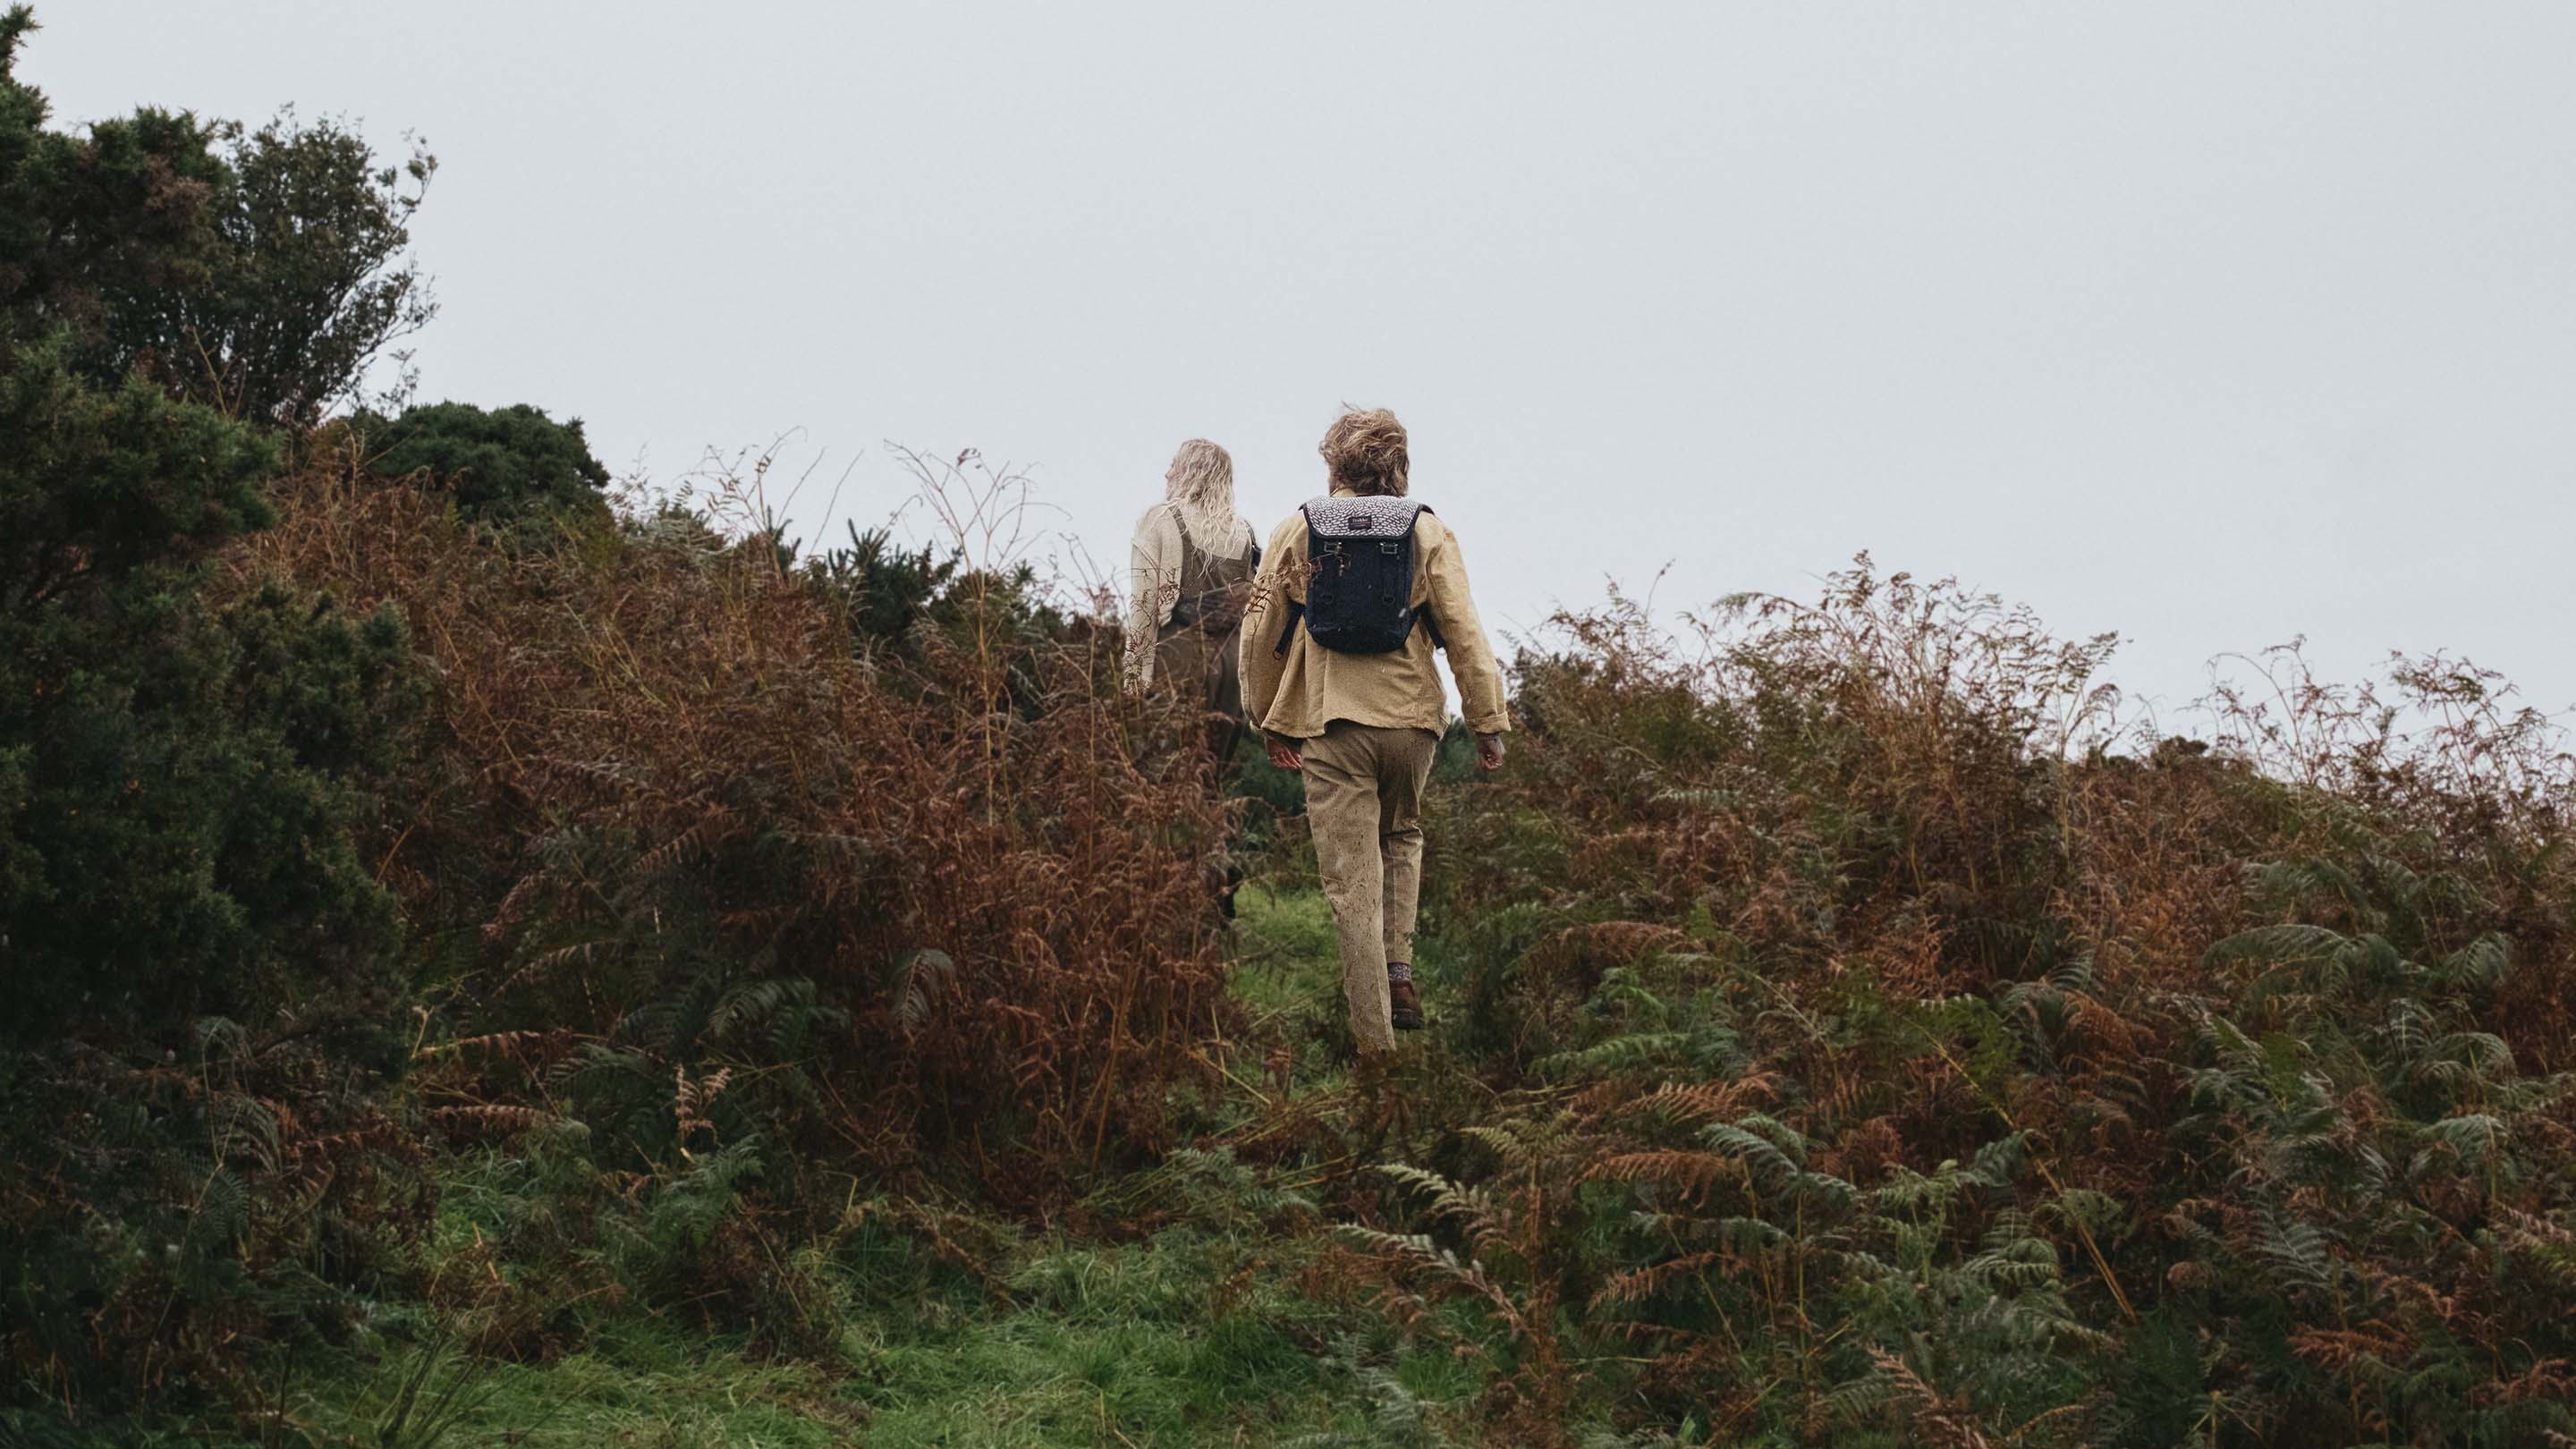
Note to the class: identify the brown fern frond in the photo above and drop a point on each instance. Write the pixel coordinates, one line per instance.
(1937, 1419)
(513, 903)
(1626, 940)
(1694, 1173)
(1639, 1284)
(2340, 1350)
(689, 1099)
(698, 839)
(1706, 1101)
(2547, 1381)
(499, 1116)
(499, 1043)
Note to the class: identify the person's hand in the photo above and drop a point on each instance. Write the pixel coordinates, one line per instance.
(1489, 751)
(1284, 753)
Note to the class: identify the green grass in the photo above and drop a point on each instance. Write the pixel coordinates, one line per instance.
(1289, 977)
(642, 1382)
(1199, 1335)
(1191, 1338)
(1289, 965)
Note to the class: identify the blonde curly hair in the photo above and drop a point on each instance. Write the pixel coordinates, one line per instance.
(1364, 451)
(1202, 488)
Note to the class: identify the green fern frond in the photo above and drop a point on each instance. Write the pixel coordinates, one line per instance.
(2481, 964)
(1443, 1199)
(2286, 942)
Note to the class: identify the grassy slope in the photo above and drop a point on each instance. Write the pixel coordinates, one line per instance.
(1198, 1335)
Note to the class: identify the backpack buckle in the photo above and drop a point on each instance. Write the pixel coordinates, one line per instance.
(1390, 548)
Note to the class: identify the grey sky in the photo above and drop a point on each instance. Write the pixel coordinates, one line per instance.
(2212, 324)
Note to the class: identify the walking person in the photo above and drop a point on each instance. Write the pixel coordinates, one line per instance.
(1362, 587)
(1191, 565)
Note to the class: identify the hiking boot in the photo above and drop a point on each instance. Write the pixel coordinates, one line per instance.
(1404, 1004)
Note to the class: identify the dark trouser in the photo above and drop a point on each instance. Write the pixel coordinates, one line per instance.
(1188, 657)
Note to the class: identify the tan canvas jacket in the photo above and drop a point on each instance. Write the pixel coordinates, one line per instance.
(1297, 694)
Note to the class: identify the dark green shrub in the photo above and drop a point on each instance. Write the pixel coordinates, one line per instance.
(174, 831)
(203, 1006)
(499, 464)
(190, 936)
(882, 588)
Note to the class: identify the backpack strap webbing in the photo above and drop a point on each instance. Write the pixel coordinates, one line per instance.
(1425, 616)
(1288, 631)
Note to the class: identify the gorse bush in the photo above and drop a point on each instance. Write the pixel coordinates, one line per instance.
(500, 465)
(205, 1013)
(883, 589)
(1905, 1061)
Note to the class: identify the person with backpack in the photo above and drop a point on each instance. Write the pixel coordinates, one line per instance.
(1361, 588)
(1190, 569)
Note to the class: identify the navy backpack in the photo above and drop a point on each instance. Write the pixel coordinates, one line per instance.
(1359, 583)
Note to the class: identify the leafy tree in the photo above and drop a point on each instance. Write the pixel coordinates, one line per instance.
(309, 285)
(175, 811)
(260, 272)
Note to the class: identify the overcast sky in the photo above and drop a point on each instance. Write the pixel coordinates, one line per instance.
(2211, 324)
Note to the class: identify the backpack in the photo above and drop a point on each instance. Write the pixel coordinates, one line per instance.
(1359, 584)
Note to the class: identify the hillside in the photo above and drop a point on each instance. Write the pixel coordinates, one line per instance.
(503, 956)
(835, 1025)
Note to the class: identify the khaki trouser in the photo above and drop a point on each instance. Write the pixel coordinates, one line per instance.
(1364, 804)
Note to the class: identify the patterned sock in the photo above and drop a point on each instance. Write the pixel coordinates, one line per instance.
(1399, 970)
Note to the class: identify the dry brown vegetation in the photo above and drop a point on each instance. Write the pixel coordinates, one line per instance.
(1895, 1048)
(673, 820)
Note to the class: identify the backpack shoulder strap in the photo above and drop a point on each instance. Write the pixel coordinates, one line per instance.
(1296, 612)
(1424, 617)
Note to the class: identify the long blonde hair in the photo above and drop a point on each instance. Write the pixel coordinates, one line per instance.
(1202, 490)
